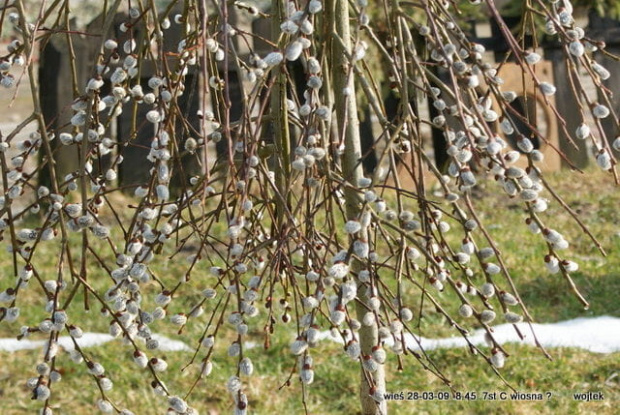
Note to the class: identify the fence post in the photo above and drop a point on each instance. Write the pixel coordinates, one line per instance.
(567, 105)
(133, 133)
(608, 31)
(56, 96)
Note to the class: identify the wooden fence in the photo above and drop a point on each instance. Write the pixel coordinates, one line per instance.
(134, 138)
(60, 86)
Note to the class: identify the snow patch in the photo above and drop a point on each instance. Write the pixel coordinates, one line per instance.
(598, 335)
(87, 340)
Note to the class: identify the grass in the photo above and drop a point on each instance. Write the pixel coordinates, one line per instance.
(335, 388)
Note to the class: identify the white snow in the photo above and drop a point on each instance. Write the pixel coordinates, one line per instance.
(87, 340)
(598, 334)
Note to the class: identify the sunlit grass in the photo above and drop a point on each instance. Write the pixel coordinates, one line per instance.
(335, 388)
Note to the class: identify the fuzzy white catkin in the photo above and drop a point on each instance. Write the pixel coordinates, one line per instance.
(570, 266)
(307, 376)
(42, 392)
(532, 58)
(273, 58)
(110, 44)
(153, 116)
(509, 299)
(379, 355)
(307, 28)
(465, 310)
(163, 193)
(601, 71)
(492, 269)
(299, 346)
(512, 317)
(552, 264)
(159, 365)
(582, 132)
(338, 270)
(289, 27)
(525, 145)
(547, 89)
(352, 226)
(576, 48)
(314, 6)
(140, 359)
(315, 82)
(337, 317)
(487, 316)
(234, 384)
(178, 404)
(600, 111)
(234, 349)
(298, 165)
(178, 319)
(79, 119)
(246, 366)
(314, 66)
(206, 368)
(498, 359)
(106, 384)
(105, 406)
(603, 159)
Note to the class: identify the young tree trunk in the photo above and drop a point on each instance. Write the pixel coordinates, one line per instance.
(279, 114)
(348, 129)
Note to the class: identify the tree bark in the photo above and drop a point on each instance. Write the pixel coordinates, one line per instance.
(348, 129)
(279, 113)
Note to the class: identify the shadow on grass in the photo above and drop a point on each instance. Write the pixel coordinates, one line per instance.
(549, 298)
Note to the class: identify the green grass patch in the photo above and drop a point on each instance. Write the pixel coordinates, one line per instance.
(335, 389)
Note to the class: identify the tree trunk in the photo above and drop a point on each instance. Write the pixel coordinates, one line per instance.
(348, 129)
(279, 113)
